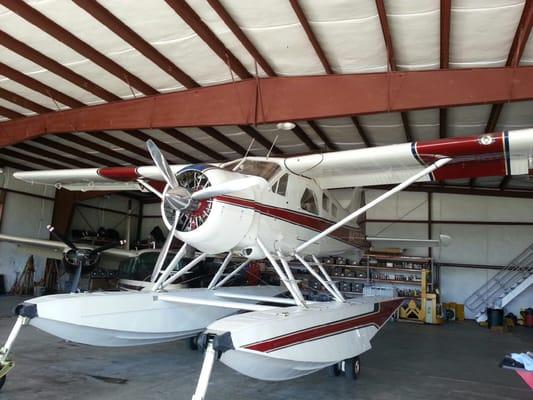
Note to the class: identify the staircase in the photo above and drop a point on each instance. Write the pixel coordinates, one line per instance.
(508, 283)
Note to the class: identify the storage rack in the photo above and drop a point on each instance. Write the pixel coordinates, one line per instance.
(386, 274)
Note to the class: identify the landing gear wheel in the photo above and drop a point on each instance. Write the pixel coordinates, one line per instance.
(193, 343)
(3, 381)
(353, 368)
(334, 370)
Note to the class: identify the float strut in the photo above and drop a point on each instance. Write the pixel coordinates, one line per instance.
(5, 364)
(205, 373)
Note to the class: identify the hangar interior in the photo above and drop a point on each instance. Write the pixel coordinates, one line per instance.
(84, 84)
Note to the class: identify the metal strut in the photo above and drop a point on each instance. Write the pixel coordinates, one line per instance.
(205, 373)
(6, 364)
(295, 291)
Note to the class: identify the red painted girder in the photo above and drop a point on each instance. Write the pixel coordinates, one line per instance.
(192, 19)
(142, 46)
(47, 25)
(287, 99)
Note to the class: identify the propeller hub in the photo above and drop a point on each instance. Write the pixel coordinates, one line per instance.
(179, 198)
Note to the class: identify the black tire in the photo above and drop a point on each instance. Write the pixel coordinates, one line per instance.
(334, 370)
(353, 368)
(193, 343)
(2, 381)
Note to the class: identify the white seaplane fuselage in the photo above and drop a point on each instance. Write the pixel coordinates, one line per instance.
(289, 211)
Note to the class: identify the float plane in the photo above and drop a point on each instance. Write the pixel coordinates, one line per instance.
(261, 207)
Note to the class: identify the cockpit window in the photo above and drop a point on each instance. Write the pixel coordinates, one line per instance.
(325, 202)
(281, 188)
(308, 202)
(264, 169)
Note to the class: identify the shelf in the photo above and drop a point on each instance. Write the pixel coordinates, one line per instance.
(342, 278)
(422, 260)
(416, 283)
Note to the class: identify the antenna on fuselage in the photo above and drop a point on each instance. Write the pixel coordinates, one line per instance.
(271, 147)
(245, 155)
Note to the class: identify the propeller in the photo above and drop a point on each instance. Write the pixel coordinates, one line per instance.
(161, 163)
(228, 187)
(180, 199)
(80, 258)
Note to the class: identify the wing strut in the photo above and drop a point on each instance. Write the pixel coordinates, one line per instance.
(373, 203)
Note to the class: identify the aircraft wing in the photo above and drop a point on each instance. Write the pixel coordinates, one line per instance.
(54, 249)
(112, 178)
(493, 154)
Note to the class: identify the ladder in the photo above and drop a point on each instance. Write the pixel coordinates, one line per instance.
(508, 283)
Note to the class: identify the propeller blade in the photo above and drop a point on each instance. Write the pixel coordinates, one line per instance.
(108, 246)
(161, 163)
(60, 237)
(235, 185)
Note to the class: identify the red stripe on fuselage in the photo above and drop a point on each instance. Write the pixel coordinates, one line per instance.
(334, 328)
(471, 158)
(123, 174)
(350, 235)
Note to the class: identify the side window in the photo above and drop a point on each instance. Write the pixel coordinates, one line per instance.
(308, 202)
(325, 202)
(334, 210)
(281, 188)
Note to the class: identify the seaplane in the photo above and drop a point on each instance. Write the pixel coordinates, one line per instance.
(278, 209)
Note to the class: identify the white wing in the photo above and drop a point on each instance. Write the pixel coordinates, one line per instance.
(495, 154)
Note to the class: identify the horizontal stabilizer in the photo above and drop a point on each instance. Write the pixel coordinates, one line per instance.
(382, 242)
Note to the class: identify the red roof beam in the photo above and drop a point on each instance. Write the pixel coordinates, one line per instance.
(287, 99)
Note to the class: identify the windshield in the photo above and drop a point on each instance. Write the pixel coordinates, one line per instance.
(140, 268)
(264, 169)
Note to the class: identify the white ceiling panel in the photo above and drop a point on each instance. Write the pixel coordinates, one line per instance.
(41, 74)
(516, 116)
(15, 107)
(82, 25)
(17, 27)
(469, 120)
(45, 101)
(342, 132)
(482, 32)
(415, 31)
(383, 129)
(274, 29)
(424, 124)
(349, 33)
(205, 139)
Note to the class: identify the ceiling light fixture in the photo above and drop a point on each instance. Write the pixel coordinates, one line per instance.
(285, 126)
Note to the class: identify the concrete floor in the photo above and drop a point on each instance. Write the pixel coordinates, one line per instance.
(409, 361)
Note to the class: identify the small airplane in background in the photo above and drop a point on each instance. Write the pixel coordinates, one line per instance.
(280, 209)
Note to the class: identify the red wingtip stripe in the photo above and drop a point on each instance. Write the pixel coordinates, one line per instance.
(123, 174)
(472, 156)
